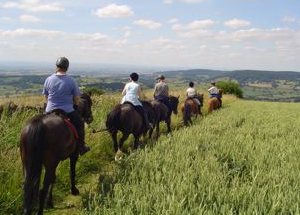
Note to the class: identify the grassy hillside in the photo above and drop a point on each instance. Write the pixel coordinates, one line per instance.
(240, 160)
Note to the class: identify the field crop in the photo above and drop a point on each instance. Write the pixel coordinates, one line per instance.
(242, 159)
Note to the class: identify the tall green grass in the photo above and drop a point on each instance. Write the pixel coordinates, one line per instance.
(243, 159)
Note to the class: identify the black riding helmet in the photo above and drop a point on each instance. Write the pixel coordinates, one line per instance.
(62, 63)
(134, 76)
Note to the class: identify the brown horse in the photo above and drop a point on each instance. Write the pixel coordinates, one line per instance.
(215, 103)
(125, 118)
(163, 113)
(190, 107)
(45, 141)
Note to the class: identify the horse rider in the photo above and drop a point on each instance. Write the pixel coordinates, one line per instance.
(131, 93)
(214, 92)
(61, 92)
(191, 93)
(161, 92)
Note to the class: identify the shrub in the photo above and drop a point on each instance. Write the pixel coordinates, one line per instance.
(231, 87)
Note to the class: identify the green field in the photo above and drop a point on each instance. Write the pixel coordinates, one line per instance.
(243, 159)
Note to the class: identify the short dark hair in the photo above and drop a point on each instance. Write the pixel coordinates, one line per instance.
(191, 84)
(134, 76)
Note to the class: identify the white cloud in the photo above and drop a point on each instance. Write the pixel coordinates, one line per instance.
(237, 23)
(288, 19)
(184, 1)
(29, 18)
(173, 21)
(6, 19)
(195, 25)
(30, 33)
(225, 46)
(33, 6)
(114, 11)
(147, 24)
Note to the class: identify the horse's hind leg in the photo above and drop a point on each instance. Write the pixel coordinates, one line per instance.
(122, 140)
(136, 141)
(73, 160)
(115, 140)
(48, 180)
(168, 122)
(49, 201)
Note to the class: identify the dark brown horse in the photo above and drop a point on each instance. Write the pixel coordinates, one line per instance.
(190, 108)
(215, 103)
(163, 113)
(45, 141)
(125, 118)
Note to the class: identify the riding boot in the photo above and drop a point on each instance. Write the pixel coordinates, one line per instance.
(143, 114)
(79, 125)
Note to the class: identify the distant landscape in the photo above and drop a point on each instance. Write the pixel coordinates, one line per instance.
(256, 85)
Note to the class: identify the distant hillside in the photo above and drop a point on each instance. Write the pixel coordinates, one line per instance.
(196, 74)
(256, 84)
(245, 76)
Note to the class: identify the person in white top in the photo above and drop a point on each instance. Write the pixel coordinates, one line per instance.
(192, 94)
(214, 91)
(131, 93)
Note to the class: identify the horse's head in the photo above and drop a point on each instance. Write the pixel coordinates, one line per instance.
(174, 103)
(85, 107)
(221, 91)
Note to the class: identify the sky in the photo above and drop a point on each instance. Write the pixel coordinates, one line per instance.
(212, 34)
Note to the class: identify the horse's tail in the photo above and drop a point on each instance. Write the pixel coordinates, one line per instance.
(113, 118)
(186, 113)
(32, 156)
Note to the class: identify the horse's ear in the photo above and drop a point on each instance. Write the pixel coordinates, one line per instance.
(89, 93)
(177, 97)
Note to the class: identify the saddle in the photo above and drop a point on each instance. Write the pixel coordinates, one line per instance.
(135, 108)
(64, 116)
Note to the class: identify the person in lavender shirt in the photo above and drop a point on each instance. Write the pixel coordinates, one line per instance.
(62, 92)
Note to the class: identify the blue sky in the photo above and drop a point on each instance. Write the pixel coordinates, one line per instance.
(215, 34)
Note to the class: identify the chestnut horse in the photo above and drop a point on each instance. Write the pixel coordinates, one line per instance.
(125, 118)
(163, 113)
(214, 103)
(190, 107)
(46, 140)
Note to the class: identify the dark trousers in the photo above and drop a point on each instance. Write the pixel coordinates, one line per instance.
(143, 113)
(164, 100)
(78, 124)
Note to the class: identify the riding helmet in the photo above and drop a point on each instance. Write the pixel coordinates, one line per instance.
(62, 63)
(160, 77)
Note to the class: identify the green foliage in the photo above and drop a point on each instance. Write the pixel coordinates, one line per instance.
(231, 87)
(93, 90)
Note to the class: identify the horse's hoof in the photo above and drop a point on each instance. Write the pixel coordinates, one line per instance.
(119, 155)
(75, 191)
